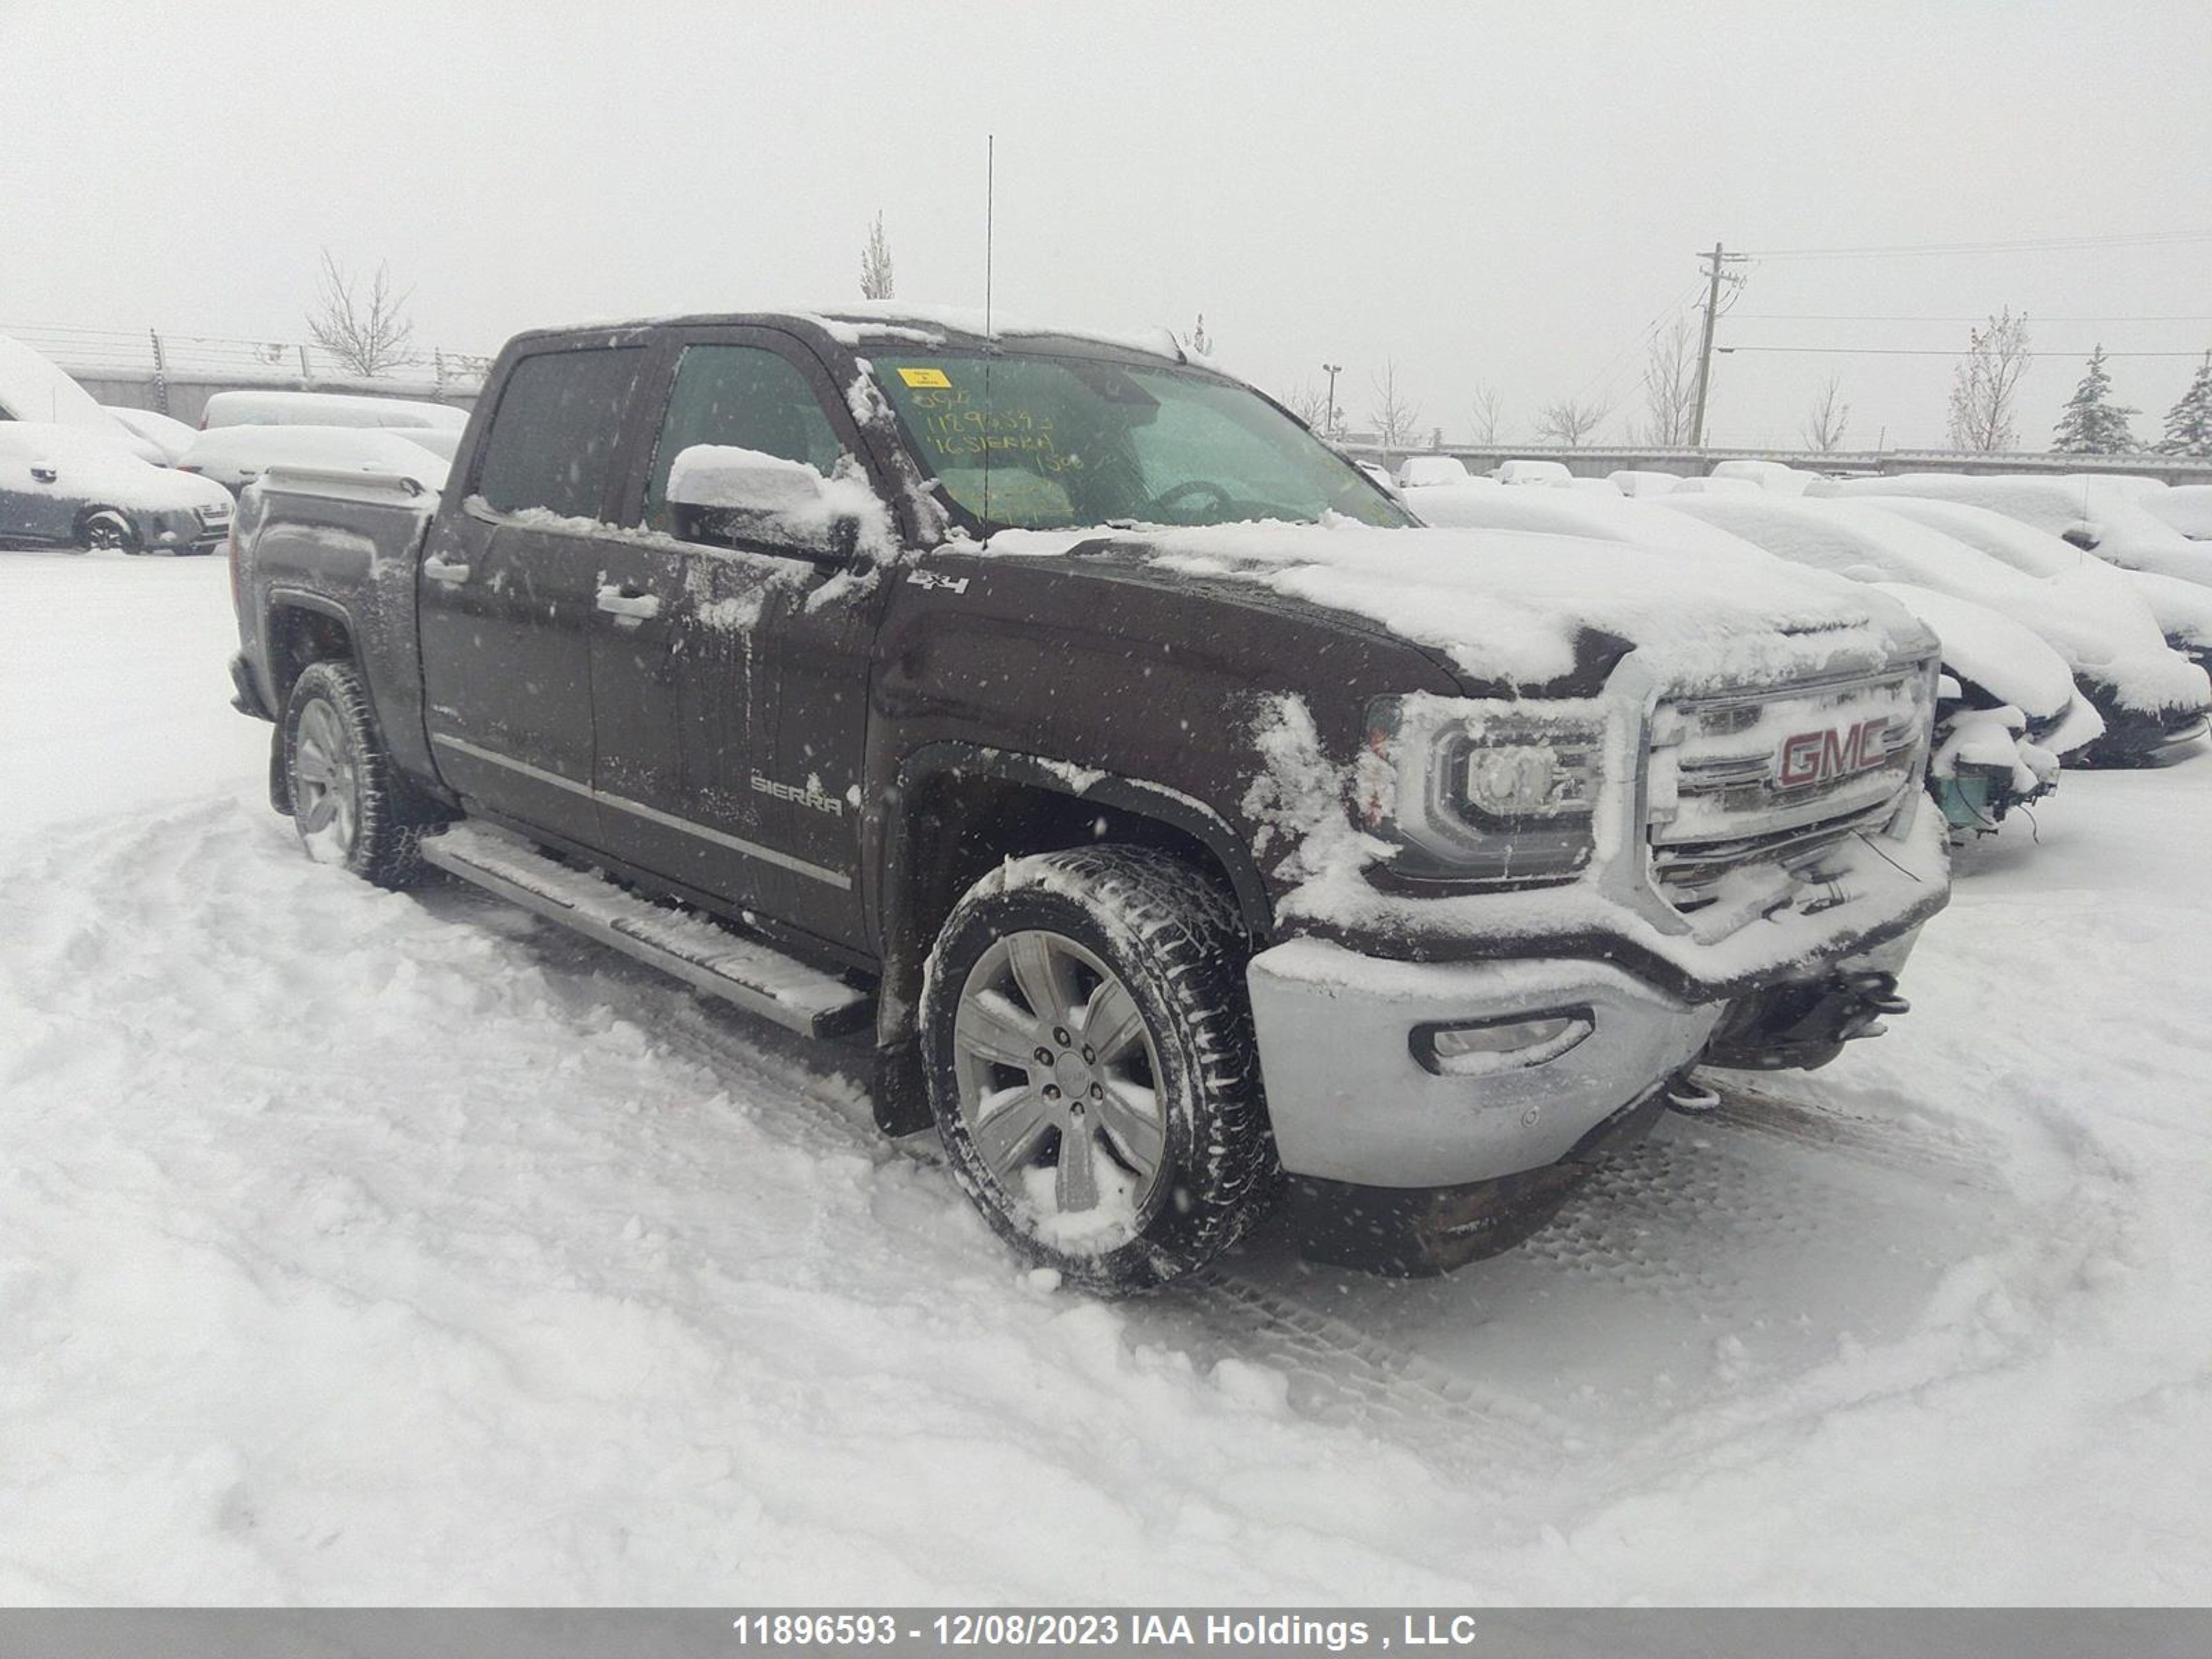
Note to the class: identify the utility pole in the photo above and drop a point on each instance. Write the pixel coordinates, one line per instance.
(1328, 421)
(1715, 260)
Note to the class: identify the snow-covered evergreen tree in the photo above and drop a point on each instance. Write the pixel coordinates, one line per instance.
(2189, 422)
(2093, 424)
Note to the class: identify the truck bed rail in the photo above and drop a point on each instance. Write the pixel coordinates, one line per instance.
(349, 484)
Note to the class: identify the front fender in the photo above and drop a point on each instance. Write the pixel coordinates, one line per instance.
(908, 898)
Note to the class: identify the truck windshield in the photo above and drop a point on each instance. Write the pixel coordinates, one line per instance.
(1036, 442)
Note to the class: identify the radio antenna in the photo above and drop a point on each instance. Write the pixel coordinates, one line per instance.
(990, 343)
(990, 206)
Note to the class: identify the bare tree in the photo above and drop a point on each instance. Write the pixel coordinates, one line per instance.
(1824, 424)
(1489, 414)
(1670, 387)
(1396, 417)
(368, 333)
(876, 263)
(1309, 402)
(1571, 422)
(1987, 384)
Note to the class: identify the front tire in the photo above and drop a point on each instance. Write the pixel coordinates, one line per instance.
(1091, 1068)
(348, 802)
(104, 530)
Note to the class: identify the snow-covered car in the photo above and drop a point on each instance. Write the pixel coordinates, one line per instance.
(2139, 645)
(1419, 471)
(171, 436)
(1995, 660)
(323, 409)
(2109, 517)
(34, 390)
(1550, 474)
(2187, 508)
(1988, 789)
(67, 486)
(1635, 481)
(234, 456)
(1776, 477)
(1379, 475)
(443, 441)
(1712, 486)
(2182, 610)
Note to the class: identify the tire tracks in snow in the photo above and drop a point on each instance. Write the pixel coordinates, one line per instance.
(1335, 1369)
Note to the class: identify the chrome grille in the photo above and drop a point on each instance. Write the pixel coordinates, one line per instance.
(1779, 775)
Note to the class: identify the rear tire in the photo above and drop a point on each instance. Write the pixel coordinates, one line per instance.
(348, 803)
(1091, 1069)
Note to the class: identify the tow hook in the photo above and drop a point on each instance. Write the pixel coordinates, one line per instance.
(1686, 1095)
(1879, 991)
(1877, 998)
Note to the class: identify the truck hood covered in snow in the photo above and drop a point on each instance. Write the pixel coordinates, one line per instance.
(1520, 608)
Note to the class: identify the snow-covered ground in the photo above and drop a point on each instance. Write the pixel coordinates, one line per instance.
(360, 1247)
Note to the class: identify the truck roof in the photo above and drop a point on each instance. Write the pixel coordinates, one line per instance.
(855, 324)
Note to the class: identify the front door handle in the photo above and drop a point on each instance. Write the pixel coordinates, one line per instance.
(443, 570)
(626, 601)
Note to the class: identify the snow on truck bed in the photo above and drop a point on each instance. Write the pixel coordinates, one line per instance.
(357, 1247)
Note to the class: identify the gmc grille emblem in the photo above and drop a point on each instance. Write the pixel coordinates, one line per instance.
(1816, 756)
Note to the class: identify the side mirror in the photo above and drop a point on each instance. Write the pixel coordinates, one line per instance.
(726, 497)
(45, 474)
(2082, 537)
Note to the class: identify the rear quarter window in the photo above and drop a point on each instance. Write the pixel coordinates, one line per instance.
(552, 438)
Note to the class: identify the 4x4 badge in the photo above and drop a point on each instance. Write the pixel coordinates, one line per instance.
(931, 579)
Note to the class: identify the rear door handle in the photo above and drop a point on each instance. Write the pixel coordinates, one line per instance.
(440, 570)
(634, 603)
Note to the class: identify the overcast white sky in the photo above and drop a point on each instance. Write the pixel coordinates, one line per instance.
(1486, 193)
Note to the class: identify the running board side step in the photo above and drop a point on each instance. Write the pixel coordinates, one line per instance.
(749, 972)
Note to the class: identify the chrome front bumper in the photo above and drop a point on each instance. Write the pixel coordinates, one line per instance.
(1353, 1101)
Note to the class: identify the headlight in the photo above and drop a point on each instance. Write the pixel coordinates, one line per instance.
(1501, 792)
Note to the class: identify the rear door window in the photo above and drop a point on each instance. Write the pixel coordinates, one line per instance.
(552, 442)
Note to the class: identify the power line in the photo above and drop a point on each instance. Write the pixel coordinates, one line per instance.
(1619, 358)
(1939, 351)
(2037, 244)
(1855, 317)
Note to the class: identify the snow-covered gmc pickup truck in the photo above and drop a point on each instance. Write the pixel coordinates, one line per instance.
(1187, 831)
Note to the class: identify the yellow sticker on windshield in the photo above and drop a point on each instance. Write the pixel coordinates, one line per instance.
(929, 377)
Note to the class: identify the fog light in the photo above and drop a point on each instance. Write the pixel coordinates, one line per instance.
(1479, 1046)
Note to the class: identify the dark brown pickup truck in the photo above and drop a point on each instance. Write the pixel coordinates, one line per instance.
(1183, 825)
